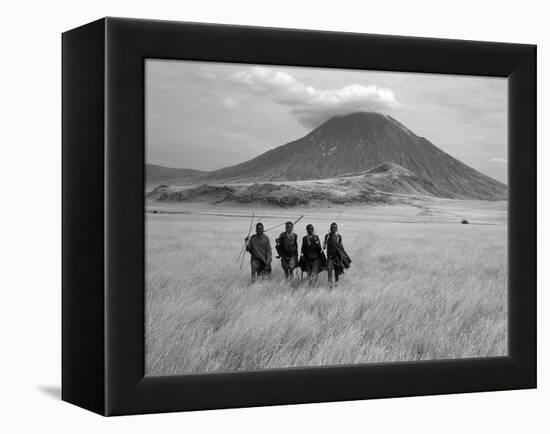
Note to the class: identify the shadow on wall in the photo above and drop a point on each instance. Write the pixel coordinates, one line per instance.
(51, 391)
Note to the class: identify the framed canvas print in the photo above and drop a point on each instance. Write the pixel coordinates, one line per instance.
(258, 216)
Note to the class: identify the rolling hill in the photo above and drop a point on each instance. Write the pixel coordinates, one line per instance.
(387, 183)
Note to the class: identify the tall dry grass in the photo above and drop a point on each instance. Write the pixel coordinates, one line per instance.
(414, 292)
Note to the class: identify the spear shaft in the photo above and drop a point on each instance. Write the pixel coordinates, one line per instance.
(246, 241)
(281, 224)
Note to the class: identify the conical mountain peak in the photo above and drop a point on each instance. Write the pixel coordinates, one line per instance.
(358, 142)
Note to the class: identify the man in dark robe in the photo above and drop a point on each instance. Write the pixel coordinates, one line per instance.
(259, 247)
(337, 258)
(287, 248)
(312, 261)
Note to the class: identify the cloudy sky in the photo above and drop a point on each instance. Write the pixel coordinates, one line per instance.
(207, 116)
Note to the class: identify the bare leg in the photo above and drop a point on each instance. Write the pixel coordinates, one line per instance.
(330, 269)
(253, 270)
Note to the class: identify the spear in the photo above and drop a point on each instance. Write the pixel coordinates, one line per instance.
(276, 226)
(246, 242)
(243, 252)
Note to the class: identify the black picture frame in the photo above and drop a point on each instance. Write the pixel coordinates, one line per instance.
(103, 215)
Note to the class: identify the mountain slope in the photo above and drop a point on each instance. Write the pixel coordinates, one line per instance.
(155, 175)
(359, 142)
(393, 178)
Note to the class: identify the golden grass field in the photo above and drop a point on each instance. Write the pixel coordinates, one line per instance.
(421, 286)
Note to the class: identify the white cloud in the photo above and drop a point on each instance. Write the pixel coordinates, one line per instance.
(499, 160)
(230, 103)
(206, 73)
(313, 106)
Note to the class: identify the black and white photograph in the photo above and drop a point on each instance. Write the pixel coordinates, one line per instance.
(275, 217)
(302, 217)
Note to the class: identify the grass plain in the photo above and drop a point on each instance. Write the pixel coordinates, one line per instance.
(422, 286)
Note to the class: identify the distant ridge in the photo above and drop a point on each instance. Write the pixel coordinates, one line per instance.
(357, 143)
(155, 175)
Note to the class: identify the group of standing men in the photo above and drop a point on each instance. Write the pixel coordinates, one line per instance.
(312, 259)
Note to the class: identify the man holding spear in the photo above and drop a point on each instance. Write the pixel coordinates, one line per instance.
(337, 258)
(313, 258)
(287, 248)
(259, 247)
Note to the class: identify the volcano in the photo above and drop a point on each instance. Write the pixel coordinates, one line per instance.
(358, 143)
